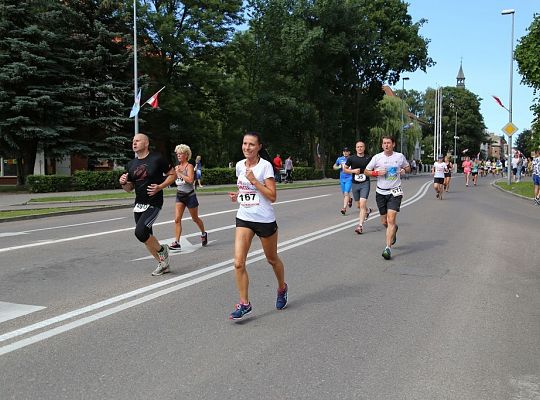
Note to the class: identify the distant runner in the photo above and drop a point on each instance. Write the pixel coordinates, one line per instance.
(356, 165)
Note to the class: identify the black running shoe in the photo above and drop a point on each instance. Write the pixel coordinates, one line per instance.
(369, 210)
(204, 238)
(175, 246)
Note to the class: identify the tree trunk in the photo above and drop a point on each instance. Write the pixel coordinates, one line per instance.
(25, 162)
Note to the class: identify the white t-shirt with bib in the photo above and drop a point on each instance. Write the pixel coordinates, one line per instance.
(393, 164)
(439, 168)
(254, 207)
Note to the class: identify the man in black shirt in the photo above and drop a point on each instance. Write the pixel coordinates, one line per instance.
(148, 173)
(355, 165)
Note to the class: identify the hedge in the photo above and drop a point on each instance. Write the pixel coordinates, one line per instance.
(97, 180)
(81, 180)
(103, 180)
(49, 183)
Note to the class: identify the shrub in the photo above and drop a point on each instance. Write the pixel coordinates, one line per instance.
(218, 176)
(49, 183)
(97, 180)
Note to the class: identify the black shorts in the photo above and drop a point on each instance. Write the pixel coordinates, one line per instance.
(447, 174)
(261, 229)
(189, 199)
(474, 173)
(387, 202)
(438, 180)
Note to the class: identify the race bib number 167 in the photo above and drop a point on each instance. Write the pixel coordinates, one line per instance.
(248, 199)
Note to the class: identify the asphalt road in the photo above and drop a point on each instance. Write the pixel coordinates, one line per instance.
(454, 315)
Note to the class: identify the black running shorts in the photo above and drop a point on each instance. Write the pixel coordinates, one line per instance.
(261, 229)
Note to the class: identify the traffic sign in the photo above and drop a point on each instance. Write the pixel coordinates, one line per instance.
(510, 129)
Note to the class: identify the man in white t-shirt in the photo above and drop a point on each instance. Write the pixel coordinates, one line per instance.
(388, 167)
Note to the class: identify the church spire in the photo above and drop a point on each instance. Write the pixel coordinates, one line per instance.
(460, 80)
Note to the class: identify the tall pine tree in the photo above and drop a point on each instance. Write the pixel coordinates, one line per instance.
(32, 91)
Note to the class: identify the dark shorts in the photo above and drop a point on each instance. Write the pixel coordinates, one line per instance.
(536, 180)
(438, 180)
(261, 229)
(144, 221)
(447, 174)
(387, 202)
(360, 190)
(189, 199)
(474, 173)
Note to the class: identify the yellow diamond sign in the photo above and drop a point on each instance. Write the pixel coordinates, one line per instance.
(509, 129)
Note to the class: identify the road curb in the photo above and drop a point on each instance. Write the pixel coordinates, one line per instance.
(494, 184)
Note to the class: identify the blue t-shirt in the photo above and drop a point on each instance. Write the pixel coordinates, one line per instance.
(342, 175)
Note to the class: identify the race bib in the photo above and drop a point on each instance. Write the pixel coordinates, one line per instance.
(397, 191)
(140, 207)
(360, 177)
(248, 199)
(179, 181)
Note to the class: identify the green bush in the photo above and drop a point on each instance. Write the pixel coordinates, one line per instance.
(49, 183)
(306, 173)
(96, 180)
(218, 176)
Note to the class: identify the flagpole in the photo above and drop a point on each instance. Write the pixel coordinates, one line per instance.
(135, 73)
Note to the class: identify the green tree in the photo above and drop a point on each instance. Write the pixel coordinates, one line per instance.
(36, 105)
(98, 38)
(470, 123)
(527, 55)
(183, 42)
(334, 56)
(63, 83)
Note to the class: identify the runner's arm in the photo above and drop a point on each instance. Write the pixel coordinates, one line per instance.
(126, 185)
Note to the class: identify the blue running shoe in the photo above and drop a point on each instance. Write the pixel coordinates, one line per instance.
(387, 254)
(282, 297)
(394, 239)
(241, 311)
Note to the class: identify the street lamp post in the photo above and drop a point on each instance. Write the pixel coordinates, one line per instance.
(402, 107)
(509, 160)
(456, 137)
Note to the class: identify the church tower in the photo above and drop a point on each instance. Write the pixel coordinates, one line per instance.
(460, 77)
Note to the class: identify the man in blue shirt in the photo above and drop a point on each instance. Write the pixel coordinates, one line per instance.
(345, 180)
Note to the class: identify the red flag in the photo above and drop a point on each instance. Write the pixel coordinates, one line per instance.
(499, 102)
(153, 101)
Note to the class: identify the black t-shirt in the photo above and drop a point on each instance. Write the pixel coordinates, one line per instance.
(144, 172)
(354, 162)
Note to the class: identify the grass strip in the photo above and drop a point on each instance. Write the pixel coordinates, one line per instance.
(522, 188)
(37, 211)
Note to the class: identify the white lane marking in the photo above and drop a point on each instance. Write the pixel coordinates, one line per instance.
(222, 268)
(183, 240)
(69, 239)
(12, 310)
(58, 227)
(7, 234)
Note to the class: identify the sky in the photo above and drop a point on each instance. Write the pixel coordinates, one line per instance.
(475, 33)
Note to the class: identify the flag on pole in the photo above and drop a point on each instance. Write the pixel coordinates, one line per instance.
(499, 102)
(153, 101)
(136, 106)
